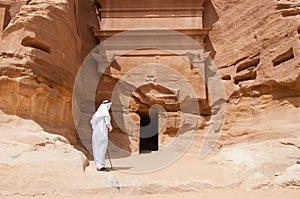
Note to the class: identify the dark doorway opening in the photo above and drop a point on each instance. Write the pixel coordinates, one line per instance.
(148, 132)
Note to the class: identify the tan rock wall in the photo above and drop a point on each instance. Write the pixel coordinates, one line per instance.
(254, 43)
(41, 50)
(257, 46)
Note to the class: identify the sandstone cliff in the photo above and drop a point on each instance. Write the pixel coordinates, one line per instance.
(255, 45)
(256, 48)
(42, 47)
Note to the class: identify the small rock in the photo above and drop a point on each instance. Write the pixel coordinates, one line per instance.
(278, 174)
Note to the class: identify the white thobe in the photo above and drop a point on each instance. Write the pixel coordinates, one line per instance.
(101, 125)
(100, 141)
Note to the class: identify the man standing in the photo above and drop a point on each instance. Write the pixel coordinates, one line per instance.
(101, 125)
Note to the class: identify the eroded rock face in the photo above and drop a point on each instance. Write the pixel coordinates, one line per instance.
(257, 51)
(44, 42)
(255, 45)
(31, 158)
(258, 165)
(42, 47)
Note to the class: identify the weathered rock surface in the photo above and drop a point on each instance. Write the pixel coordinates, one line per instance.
(257, 119)
(41, 49)
(257, 51)
(44, 42)
(255, 45)
(260, 165)
(35, 161)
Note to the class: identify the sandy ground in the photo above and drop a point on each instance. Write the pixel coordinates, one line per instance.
(210, 193)
(228, 173)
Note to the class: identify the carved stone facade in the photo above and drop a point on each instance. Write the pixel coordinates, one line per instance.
(144, 67)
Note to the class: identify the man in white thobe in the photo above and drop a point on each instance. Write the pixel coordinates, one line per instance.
(101, 125)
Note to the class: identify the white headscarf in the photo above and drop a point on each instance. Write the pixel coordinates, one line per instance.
(103, 111)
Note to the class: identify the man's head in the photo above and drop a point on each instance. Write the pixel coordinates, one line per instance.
(107, 103)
